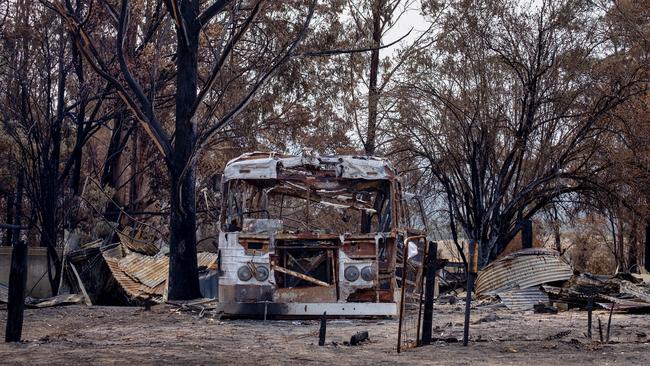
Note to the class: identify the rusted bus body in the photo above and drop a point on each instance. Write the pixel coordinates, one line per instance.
(303, 235)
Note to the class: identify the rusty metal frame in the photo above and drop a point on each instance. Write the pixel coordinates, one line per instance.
(418, 285)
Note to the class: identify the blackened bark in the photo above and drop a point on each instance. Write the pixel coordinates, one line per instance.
(49, 181)
(17, 284)
(49, 231)
(115, 147)
(77, 154)
(632, 263)
(373, 92)
(133, 182)
(9, 220)
(183, 274)
(18, 206)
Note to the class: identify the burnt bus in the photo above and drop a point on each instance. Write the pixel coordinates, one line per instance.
(304, 235)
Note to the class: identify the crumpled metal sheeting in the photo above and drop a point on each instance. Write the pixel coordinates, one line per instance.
(151, 271)
(145, 277)
(130, 285)
(207, 259)
(522, 269)
(622, 304)
(523, 299)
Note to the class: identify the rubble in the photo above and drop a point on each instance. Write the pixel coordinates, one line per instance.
(144, 277)
(66, 299)
(359, 338)
(536, 278)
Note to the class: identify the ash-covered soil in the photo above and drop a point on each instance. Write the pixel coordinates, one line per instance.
(121, 335)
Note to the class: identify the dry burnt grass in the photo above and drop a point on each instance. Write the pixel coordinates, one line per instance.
(117, 335)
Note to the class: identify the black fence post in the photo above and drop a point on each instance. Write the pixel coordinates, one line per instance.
(323, 329)
(427, 321)
(472, 268)
(17, 283)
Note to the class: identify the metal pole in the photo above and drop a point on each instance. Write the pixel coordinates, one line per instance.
(323, 329)
(472, 268)
(401, 303)
(427, 321)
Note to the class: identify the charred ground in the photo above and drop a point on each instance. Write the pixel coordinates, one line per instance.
(80, 334)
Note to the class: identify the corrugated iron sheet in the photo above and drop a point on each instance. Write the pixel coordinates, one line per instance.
(523, 299)
(522, 269)
(131, 286)
(151, 271)
(207, 259)
(145, 277)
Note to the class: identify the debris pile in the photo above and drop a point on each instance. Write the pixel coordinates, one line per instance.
(132, 271)
(536, 278)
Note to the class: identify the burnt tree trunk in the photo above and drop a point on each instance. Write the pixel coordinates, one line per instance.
(10, 220)
(183, 273)
(49, 180)
(632, 263)
(373, 92)
(77, 154)
(18, 273)
(17, 284)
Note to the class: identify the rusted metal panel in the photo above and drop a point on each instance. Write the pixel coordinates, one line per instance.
(148, 270)
(305, 294)
(145, 277)
(133, 288)
(522, 269)
(207, 259)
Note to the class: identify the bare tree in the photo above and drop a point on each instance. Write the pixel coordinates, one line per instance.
(195, 120)
(512, 116)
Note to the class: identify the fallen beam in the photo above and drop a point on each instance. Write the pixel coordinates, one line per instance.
(299, 275)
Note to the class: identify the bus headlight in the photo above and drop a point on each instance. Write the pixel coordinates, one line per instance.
(351, 273)
(261, 273)
(244, 273)
(368, 273)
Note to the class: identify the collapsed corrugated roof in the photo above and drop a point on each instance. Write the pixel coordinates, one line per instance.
(522, 269)
(145, 277)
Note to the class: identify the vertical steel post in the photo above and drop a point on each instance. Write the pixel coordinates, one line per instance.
(427, 321)
(322, 330)
(472, 268)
